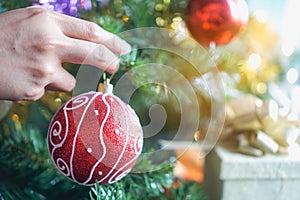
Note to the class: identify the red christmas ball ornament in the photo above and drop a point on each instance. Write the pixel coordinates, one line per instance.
(216, 21)
(95, 136)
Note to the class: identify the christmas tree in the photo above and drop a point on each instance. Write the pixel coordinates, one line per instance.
(194, 74)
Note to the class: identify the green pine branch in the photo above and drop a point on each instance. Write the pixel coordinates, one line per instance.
(28, 172)
(13, 4)
(154, 182)
(2, 9)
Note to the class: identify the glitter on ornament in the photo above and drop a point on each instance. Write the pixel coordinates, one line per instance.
(87, 146)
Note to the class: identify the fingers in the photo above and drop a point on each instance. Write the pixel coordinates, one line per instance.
(57, 78)
(87, 43)
(63, 81)
(84, 52)
(51, 40)
(85, 30)
(90, 44)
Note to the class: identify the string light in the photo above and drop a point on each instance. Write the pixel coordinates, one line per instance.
(254, 61)
(167, 1)
(292, 75)
(261, 88)
(160, 21)
(58, 100)
(176, 21)
(125, 18)
(159, 7)
(15, 118)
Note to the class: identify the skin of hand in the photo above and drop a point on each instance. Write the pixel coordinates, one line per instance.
(34, 42)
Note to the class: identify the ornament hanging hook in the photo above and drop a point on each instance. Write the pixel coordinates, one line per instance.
(105, 86)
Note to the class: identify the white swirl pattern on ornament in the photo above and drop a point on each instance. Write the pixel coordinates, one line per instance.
(123, 150)
(80, 101)
(56, 132)
(89, 102)
(116, 171)
(139, 145)
(101, 139)
(122, 175)
(136, 145)
(63, 167)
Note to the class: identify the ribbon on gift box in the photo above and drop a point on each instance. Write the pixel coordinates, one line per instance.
(258, 127)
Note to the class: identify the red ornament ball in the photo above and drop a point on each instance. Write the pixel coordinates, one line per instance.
(95, 136)
(216, 21)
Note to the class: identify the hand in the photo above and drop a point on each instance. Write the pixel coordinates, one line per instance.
(34, 42)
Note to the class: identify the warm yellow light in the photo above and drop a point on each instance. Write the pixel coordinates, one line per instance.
(15, 117)
(254, 61)
(261, 88)
(177, 19)
(160, 21)
(159, 7)
(125, 18)
(58, 100)
(292, 75)
(197, 135)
